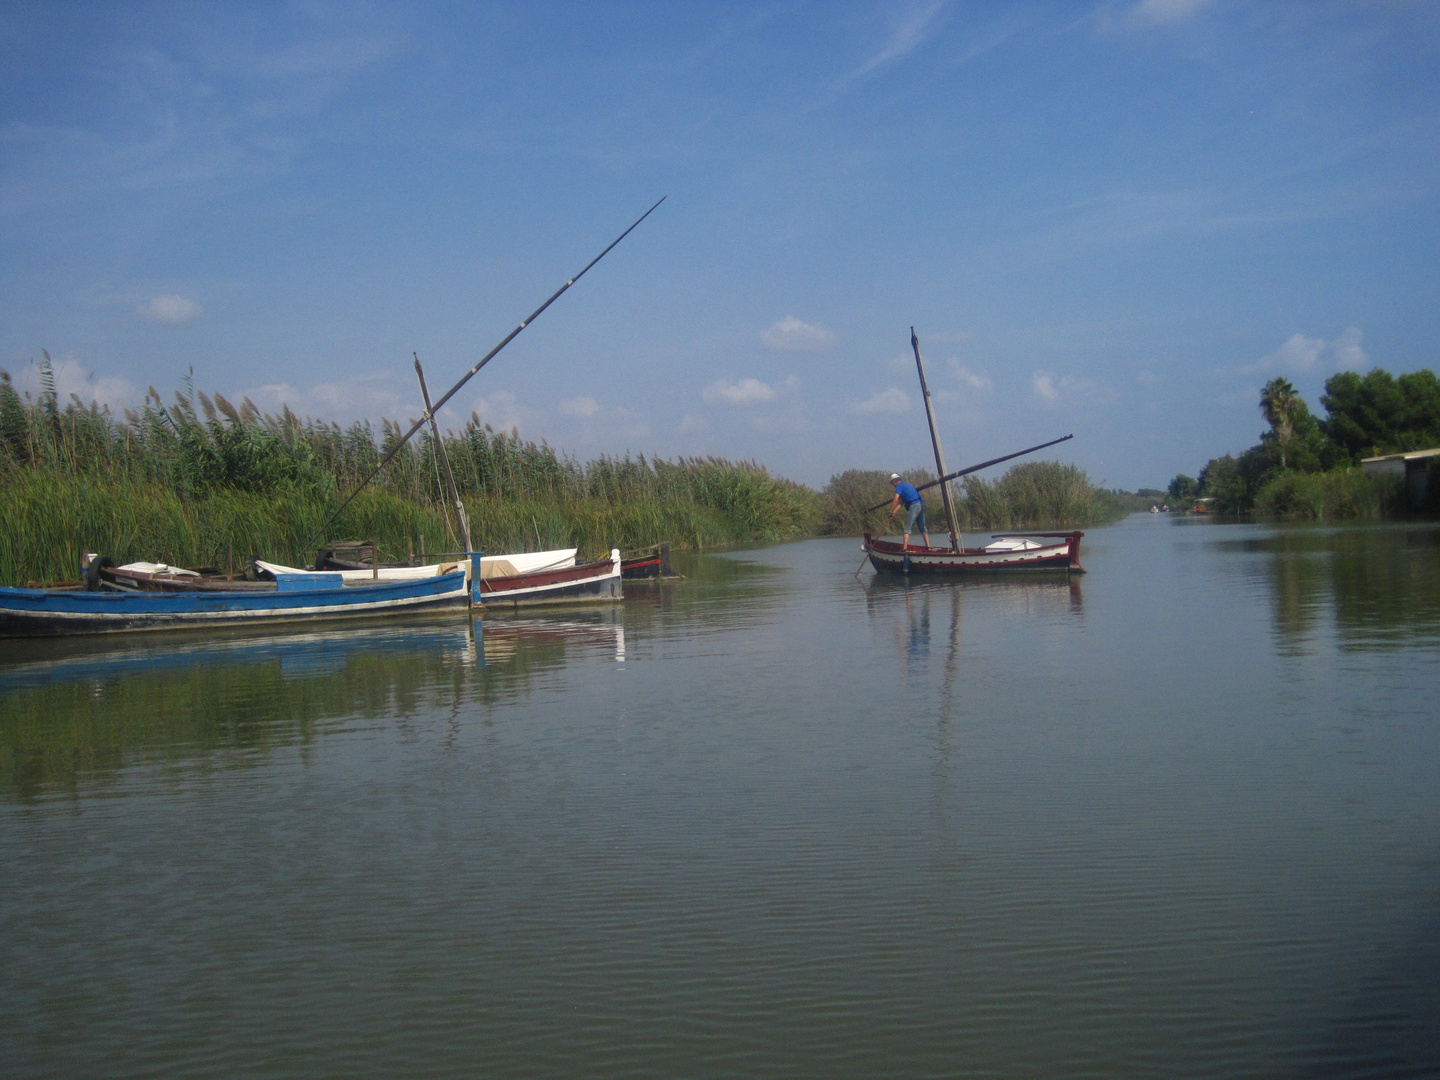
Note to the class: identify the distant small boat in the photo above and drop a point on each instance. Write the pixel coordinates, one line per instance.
(1008, 551)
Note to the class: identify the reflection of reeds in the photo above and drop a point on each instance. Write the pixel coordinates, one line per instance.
(185, 482)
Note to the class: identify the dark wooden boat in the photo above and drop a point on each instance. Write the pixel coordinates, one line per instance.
(1010, 551)
(647, 563)
(160, 577)
(499, 587)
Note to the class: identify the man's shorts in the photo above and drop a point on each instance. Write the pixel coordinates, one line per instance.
(915, 517)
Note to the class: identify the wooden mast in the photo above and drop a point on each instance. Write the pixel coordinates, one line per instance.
(444, 459)
(935, 441)
(466, 377)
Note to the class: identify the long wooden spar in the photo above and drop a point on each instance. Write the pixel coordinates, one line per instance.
(974, 468)
(431, 410)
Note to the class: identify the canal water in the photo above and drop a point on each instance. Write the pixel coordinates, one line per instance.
(1177, 817)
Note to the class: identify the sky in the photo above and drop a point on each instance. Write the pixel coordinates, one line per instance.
(1115, 219)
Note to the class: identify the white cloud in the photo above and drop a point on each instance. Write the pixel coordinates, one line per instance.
(580, 406)
(792, 335)
(972, 379)
(1157, 12)
(913, 28)
(364, 397)
(1301, 354)
(889, 400)
(1346, 353)
(171, 309)
(1115, 17)
(71, 377)
(503, 411)
(1070, 391)
(746, 392)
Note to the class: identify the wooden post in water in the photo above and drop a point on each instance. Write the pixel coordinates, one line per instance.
(935, 441)
(410, 550)
(229, 562)
(374, 560)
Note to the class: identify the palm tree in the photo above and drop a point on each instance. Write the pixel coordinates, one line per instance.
(1280, 404)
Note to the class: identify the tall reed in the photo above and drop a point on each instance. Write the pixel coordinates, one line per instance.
(189, 481)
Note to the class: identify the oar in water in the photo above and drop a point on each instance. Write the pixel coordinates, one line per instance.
(483, 361)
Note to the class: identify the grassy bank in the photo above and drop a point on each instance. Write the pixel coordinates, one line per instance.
(51, 518)
(184, 482)
(1337, 495)
(1033, 495)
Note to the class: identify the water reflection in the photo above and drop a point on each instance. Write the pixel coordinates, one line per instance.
(1378, 587)
(77, 714)
(74, 713)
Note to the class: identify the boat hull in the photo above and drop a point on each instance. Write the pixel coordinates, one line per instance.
(597, 582)
(53, 613)
(888, 557)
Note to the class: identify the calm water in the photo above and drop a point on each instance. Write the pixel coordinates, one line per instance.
(1179, 817)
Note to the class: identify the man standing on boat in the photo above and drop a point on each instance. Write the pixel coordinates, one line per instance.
(907, 496)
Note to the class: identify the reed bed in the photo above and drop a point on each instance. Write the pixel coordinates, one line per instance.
(1341, 494)
(200, 480)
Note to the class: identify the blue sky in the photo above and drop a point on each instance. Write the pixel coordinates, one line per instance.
(1116, 219)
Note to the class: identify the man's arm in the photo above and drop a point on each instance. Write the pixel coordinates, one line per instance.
(895, 504)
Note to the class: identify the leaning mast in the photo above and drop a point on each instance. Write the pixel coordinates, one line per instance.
(935, 441)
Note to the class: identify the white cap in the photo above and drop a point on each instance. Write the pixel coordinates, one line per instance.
(894, 476)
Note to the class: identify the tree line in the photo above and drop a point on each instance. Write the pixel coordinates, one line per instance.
(1308, 466)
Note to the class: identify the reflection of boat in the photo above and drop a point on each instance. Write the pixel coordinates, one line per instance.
(1009, 551)
(52, 612)
(298, 649)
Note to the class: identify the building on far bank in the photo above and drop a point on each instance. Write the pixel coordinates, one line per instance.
(1412, 467)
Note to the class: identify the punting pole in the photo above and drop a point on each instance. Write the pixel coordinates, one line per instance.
(460, 515)
(483, 361)
(975, 468)
(935, 441)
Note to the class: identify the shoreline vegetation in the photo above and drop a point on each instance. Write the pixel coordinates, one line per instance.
(200, 481)
(1307, 468)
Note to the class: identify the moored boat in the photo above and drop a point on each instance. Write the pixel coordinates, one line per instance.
(54, 612)
(1008, 551)
(651, 563)
(514, 580)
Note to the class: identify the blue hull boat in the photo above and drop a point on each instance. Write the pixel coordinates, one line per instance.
(57, 612)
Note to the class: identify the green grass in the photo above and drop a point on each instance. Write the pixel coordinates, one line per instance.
(1341, 494)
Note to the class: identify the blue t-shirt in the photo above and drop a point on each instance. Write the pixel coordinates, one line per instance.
(908, 495)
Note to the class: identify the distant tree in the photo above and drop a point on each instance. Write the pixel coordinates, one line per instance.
(1183, 488)
(1149, 493)
(1222, 481)
(1380, 414)
(1279, 404)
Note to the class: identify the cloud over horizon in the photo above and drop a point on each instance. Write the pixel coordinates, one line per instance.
(1300, 354)
(792, 335)
(170, 309)
(745, 392)
(889, 400)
